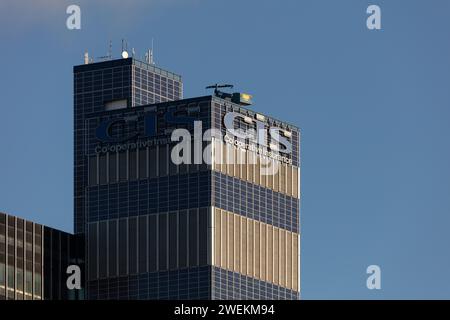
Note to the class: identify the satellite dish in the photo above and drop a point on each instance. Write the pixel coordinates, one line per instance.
(124, 54)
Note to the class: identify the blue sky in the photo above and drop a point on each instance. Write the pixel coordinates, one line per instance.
(373, 108)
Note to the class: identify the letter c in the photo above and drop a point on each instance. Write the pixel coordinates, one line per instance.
(103, 131)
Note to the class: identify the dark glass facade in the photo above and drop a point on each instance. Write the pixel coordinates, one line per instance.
(157, 230)
(34, 260)
(136, 83)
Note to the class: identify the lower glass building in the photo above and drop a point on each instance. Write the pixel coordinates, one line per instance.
(34, 259)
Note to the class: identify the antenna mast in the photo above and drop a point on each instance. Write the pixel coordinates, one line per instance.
(149, 56)
(110, 50)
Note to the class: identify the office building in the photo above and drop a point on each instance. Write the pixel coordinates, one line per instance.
(34, 260)
(153, 229)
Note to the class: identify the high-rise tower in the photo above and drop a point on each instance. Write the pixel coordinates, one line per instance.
(155, 229)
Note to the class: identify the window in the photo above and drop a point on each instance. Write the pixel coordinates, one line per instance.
(173, 252)
(2, 256)
(142, 163)
(116, 104)
(37, 285)
(112, 167)
(153, 164)
(142, 244)
(152, 242)
(2, 280)
(19, 286)
(123, 243)
(162, 241)
(92, 251)
(132, 163)
(102, 169)
(28, 284)
(172, 166)
(132, 245)
(93, 170)
(193, 243)
(182, 239)
(103, 236)
(162, 161)
(112, 248)
(122, 166)
(10, 279)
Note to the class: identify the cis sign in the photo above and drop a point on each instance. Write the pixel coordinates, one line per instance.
(103, 131)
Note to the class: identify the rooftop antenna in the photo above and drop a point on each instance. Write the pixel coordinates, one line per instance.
(109, 55)
(124, 50)
(149, 56)
(110, 49)
(86, 57)
(243, 99)
(216, 87)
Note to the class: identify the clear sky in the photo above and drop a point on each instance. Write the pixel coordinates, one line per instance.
(373, 108)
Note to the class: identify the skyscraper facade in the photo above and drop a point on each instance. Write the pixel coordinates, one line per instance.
(155, 228)
(112, 85)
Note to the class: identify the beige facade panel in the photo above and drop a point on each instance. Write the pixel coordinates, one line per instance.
(289, 180)
(295, 185)
(230, 227)
(238, 164)
(263, 240)
(270, 171)
(237, 243)
(250, 247)
(276, 177)
(217, 237)
(250, 166)
(289, 260)
(282, 249)
(276, 256)
(224, 242)
(243, 245)
(295, 262)
(244, 173)
(256, 249)
(217, 156)
(257, 179)
(283, 178)
(269, 253)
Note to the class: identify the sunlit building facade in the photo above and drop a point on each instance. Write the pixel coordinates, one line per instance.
(224, 229)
